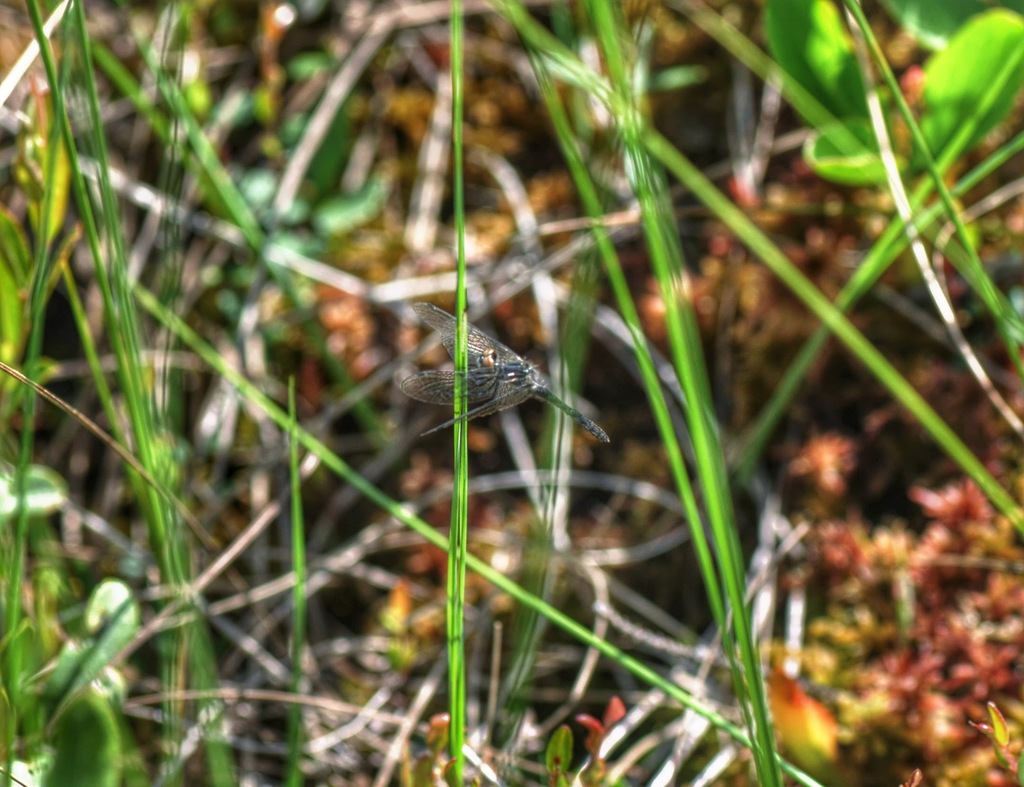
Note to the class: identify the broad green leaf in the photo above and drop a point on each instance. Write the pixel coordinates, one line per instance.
(87, 744)
(934, 24)
(558, 755)
(32, 773)
(342, 214)
(808, 39)
(328, 164)
(45, 491)
(971, 85)
(108, 604)
(846, 153)
(112, 618)
(309, 65)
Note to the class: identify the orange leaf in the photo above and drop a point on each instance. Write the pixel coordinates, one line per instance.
(808, 732)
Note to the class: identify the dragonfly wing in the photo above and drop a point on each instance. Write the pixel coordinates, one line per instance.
(438, 319)
(510, 399)
(478, 343)
(507, 397)
(438, 387)
(433, 387)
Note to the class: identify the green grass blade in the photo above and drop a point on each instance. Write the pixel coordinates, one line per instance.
(294, 776)
(459, 532)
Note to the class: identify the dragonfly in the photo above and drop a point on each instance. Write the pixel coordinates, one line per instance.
(496, 376)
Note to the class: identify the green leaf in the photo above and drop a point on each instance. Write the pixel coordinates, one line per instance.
(421, 773)
(108, 604)
(846, 153)
(934, 24)
(15, 254)
(112, 617)
(1000, 730)
(309, 65)
(558, 754)
(677, 77)
(342, 214)
(258, 186)
(971, 85)
(808, 40)
(45, 491)
(87, 744)
(15, 264)
(328, 164)
(33, 166)
(33, 772)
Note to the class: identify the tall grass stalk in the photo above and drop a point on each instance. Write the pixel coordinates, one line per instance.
(294, 776)
(458, 534)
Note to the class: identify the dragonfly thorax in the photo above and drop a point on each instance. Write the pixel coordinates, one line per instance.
(520, 370)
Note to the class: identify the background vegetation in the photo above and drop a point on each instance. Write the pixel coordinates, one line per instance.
(773, 249)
